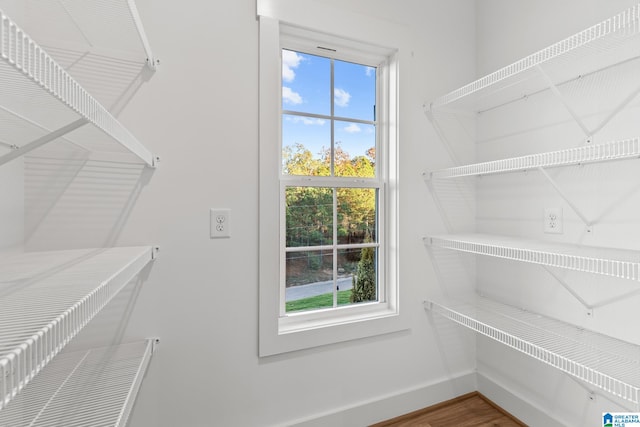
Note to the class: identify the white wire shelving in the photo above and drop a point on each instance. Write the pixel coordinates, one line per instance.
(85, 25)
(596, 359)
(619, 263)
(610, 40)
(613, 150)
(591, 76)
(41, 102)
(46, 298)
(95, 387)
(80, 36)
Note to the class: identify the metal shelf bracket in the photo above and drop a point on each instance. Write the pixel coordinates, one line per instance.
(152, 62)
(569, 289)
(24, 149)
(565, 102)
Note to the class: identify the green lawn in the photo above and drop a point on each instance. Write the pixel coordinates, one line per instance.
(319, 301)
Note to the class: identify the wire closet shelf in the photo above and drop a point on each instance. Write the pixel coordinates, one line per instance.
(611, 41)
(42, 102)
(601, 361)
(619, 263)
(614, 150)
(95, 387)
(48, 297)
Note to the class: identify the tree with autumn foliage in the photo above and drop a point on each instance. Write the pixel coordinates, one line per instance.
(309, 212)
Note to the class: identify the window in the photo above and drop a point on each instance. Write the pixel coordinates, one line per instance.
(332, 192)
(328, 189)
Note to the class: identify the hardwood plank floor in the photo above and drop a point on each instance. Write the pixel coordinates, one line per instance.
(469, 410)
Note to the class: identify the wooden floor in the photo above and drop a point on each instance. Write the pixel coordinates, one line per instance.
(470, 410)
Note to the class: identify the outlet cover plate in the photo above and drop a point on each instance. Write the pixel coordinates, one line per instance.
(553, 221)
(220, 226)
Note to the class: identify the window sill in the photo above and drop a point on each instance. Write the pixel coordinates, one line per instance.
(307, 330)
(305, 321)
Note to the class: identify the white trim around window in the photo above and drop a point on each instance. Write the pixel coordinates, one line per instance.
(302, 330)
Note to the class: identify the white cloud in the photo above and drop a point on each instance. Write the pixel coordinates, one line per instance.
(341, 97)
(369, 71)
(306, 120)
(290, 60)
(352, 128)
(290, 97)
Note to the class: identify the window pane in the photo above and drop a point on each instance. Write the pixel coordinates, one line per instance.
(306, 83)
(354, 91)
(309, 215)
(347, 264)
(306, 146)
(309, 281)
(355, 153)
(357, 215)
(364, 266)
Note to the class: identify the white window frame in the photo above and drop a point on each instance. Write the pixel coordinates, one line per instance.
(309, 46)
(283, 332)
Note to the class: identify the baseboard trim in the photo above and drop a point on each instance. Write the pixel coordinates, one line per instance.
(410, 400)
(525, 411)
(391, 405)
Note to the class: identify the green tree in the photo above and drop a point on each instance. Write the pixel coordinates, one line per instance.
(364, 282)
(356, 206)
(309, 214)
(298, 160)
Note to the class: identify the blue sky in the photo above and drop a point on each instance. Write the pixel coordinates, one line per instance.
(306, 88)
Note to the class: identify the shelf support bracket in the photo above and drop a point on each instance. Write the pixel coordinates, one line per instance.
(591, 394)
(562, 194)
(437, 202)
(441, 135)
(436, 270)
(440, 277)
(21, 151)
(616, 298)
(589, 307)
(564, 101)
(7, 145)
(588, 132)
(616, 110)
(37, 125)
(152, 62)
(569, 289)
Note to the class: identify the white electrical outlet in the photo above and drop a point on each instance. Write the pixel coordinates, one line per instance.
(553, 220)
(219, 223)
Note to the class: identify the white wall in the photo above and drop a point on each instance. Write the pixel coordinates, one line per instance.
(199, 113)
(12, 206)
(608, 193)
